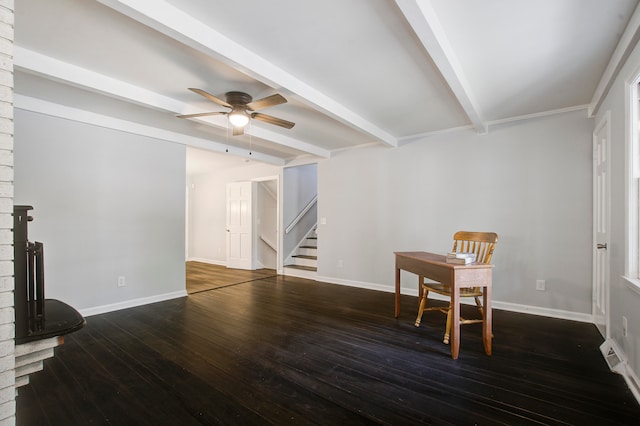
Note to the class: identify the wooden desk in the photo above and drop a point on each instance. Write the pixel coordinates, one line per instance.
(435, 267)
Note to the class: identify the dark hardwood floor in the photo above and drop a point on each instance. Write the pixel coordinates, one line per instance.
(283, 350)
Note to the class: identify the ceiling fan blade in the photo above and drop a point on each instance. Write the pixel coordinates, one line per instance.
(269, 101)
(200, 114)
(237, 131)
(210, 97)
(272, 120)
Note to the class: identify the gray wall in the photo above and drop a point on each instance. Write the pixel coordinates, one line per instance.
(106, 204)
(529, 181)
(624, 301)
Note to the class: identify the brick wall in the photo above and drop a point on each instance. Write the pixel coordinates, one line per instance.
(7, 359)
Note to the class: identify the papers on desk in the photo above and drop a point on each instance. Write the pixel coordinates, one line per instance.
(461, 258)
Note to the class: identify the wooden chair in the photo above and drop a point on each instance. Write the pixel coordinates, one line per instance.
(480, 243)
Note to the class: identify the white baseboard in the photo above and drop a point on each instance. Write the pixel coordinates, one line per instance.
(618, 363)
(632, 381)
(507, 306)
(359, 284)
(544, 312)
(299, 273)
(132, 303)
(210, 261)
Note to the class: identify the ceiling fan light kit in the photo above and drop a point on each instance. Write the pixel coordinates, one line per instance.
(243, 109)
(238, 117)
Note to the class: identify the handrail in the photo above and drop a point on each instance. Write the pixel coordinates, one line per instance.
(304, 211)
(268, 242)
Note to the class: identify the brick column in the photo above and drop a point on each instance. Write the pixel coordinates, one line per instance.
(7, 355)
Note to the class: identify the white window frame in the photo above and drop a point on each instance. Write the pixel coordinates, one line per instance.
(632, 184)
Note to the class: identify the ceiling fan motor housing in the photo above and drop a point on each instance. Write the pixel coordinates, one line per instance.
(238, 98)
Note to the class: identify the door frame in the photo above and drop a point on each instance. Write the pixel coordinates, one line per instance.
(278, 224)
(601, 225)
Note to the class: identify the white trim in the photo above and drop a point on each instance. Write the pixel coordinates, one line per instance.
(622, 366)
(544, 312)
(359, 284)
(527, 309)
(632, 233)
(132, 303)
(178, 25)
(209, 261)
(632, 284)
(538, 115)
(507, 306)
(427, 26)
(298, 273)
(54, 69)
(57, 70)
(632, 380)
(625, 45)
(304, 211)
(411, 138)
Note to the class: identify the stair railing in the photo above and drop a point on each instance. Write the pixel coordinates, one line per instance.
(268, 242)
(300, 215)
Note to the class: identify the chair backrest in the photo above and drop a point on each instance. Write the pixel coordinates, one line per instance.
(480, 243)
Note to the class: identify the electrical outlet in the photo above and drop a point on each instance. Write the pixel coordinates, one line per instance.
(340, 263)
(624, 326)
(540, 285)
(121, 281)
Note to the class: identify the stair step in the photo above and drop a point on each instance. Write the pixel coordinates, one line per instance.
(309, 247)
(302, 268)
(305, 256)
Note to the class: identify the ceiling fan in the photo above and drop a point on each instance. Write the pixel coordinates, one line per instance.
(243, 108)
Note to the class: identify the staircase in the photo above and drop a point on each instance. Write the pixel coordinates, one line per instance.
(304, 263)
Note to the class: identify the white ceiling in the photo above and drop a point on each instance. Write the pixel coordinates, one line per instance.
(354, 72)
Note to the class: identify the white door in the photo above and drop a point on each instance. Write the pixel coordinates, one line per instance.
(240, 225)
(601, 208)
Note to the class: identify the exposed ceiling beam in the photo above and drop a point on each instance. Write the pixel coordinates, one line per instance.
(54, 69)
(173, 22)
(27, 103)
(626, 44)
(425, 23)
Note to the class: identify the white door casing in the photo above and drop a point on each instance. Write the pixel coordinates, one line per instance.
(240, 225)
(601, 221)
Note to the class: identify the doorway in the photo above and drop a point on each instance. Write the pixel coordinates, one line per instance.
(267, 223)
(208, 174)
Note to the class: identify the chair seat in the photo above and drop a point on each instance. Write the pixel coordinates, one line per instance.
(482, 245)
(445, 290)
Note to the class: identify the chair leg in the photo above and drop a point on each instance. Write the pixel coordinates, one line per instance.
(481, 310)
(447, 331)
(423, 304)
(480, 307)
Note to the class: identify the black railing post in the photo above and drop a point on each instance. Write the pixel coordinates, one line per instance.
(29, 299)
(20, 219)
(39, 252)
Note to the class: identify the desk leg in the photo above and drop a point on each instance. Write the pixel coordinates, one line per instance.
(397, 313)
(420, 290)
(454, 339)
(488, 317)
